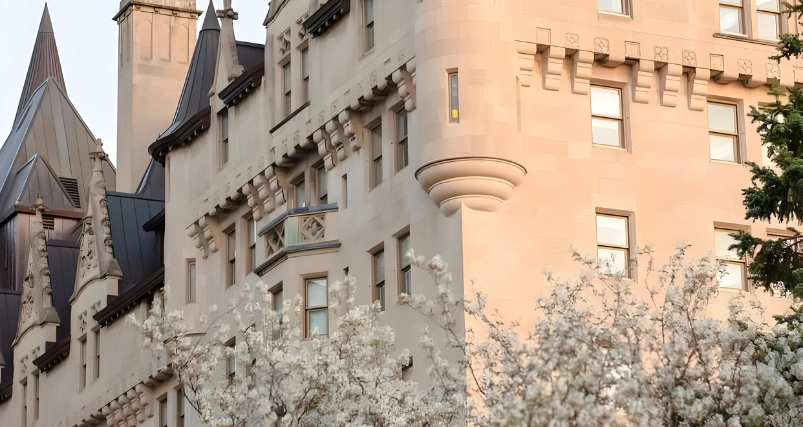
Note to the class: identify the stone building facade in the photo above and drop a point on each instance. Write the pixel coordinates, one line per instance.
(496, 133)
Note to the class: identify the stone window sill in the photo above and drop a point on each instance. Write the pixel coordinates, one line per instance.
(746, 39)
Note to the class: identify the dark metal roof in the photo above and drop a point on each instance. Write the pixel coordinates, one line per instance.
(44, 62)
(9, 314)
(152, 184)
(35, 176)
(62, 257)
(250, 54)
(121, 305)
(136, 250)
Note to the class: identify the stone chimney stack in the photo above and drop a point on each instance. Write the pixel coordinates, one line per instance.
(156, 41)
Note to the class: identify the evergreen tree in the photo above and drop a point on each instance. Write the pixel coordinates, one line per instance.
(777, 191)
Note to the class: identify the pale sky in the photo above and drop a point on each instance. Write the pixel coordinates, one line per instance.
(86, 38)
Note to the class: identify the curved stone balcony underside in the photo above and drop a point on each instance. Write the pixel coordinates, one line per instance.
(479, 183)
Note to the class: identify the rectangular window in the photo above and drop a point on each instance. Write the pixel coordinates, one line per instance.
(301, 194)
(723, 135)
(252, 243)
(454, 99)
(769, 19)
(379, 277)
(35, 397)
(404, 265)
(615, 6)
(317, 302)
(24, 404)
(345, 191)
(224, 136)
(402, 153)
(606, 116)
(191, 281)
(231, 362)
(376, 152)
(730, 17)
(231, 247)
(288, 85)
(163, 414)
(180, 408)
(305, 73)
(82, 371)
(369, 24)
(732, 275)
(613, 244)
(278, 299)
(96, 373)
(323, 185)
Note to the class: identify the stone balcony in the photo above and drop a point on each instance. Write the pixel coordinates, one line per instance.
(297, 230)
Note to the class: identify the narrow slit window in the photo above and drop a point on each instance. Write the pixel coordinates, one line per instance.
(288, 85)
(323, 185)
(369, 24)
(82, 371)
(606, 116)
(191, 281)
(723, 132)
(231, 362)
(731, 18)
(231, 243)
(97, 356)
(35, 397)
(252, 243)
(317, 310)
(180, 408)
(403, 151)
(224, 136)
(345, 191)
(768, 19)
(379, 277)
(454, 99)
(163, 414)
(733, 271)
(305, 72)
(301, 194)
(376, 152)
(24, 419)
(404, 264)
(613, 244)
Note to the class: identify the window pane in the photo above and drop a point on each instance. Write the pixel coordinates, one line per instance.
(767, 26)
(192, 284)
(768, 5)
(404, 247)
(252, 232)
(730, 19)
(224, 124)
(605, 132)
(288, 81)
(163, 413)
(722, 147)
(732, 276)
(407, 279)
(301, 194)
(722, 241)
(378, 171)
(305, 63)
(379, 267)
(612, 261)
(316, 293)
(611, 5)
(380, 291)
(369, 11)
(722, 117)
(401, 124)
(611, 230)
(317, 322)
(278, 300)
(323, 184)
(605, 101)
(232, 245)
(454, 101)
(376, 142)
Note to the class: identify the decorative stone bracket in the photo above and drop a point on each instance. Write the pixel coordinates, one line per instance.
(403, 77)
(642, 80)
(203, 233)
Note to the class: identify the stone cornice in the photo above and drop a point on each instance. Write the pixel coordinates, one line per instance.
(242, 85)
(53, 355)
(130, 3)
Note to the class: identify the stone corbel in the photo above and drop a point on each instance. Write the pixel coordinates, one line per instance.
(352, 127)
(117, 410)
(262, 184)
(582, 61)
(526, 68)
(722, 71)
(757, 77)
(670, 81)
(610, 54)
(196, 234)
(209, 234)
(336, 133)
(552, 62)
(254, 202)
(129, 413)
(329, 160)
(321, 138)
(404, 81)
(698, 88)
(642, 80)
(278, 184)
(109, 414)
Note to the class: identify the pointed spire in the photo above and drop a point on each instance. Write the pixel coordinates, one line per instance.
(96, 254)
(210, 18)
(227, 53)
(37, 300)
(44, 63)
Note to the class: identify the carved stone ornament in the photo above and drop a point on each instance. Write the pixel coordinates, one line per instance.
(689, 58)
(602, 46)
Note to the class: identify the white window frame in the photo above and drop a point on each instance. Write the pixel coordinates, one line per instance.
(625, 247)
(742, 262)
(619, 119)
(737, 158)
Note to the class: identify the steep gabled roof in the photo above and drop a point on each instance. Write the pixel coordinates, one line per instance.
(34, 177)
(152, 184)
(44, 62)
(9, 313)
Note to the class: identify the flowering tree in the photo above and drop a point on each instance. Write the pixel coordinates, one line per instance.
(348, 378)
(605, 351)
(602, 356)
